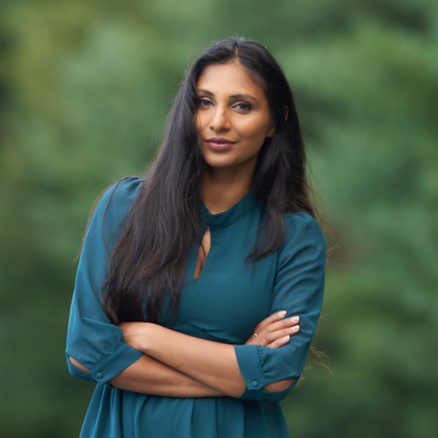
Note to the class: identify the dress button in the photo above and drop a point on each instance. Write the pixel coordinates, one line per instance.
(255, 383)
(100, 374)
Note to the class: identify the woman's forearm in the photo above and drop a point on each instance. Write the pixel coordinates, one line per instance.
(150, 376)
(212, 363)
(208, 362)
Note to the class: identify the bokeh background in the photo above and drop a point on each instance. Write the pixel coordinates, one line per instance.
(84, 91)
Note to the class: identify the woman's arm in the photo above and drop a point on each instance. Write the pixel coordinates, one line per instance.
(149, 376)
(212, 363)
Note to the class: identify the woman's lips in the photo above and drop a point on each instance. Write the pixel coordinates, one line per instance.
(219, 146)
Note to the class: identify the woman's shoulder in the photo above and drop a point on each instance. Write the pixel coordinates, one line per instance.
(116, 199)
(123, 190)
(299, 217)
(302, 226)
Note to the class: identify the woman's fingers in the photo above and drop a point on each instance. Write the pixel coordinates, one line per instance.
(279, 342)
(280, 328)
(270, 319)
(273, 331)
(278, 334)
(278, 337)
(283, 323)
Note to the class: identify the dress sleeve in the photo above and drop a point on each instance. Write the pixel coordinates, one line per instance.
(92, 339)
(298, 289)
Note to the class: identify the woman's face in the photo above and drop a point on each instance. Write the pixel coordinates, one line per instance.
(245, 120)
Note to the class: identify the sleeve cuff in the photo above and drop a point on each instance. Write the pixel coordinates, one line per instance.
(109, 366)
(115, 363)
(249, 359)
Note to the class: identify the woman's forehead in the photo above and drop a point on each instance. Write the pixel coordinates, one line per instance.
(228, 79)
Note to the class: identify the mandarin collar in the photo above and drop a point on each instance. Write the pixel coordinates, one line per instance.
(236, 212)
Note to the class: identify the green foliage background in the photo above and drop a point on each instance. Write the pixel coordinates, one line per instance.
(84, 91)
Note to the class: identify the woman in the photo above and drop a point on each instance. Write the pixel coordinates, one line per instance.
(188, 278)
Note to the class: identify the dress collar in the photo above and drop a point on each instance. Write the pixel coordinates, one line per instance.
(236, 212)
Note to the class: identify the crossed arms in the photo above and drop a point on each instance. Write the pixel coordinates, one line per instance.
(178, 365)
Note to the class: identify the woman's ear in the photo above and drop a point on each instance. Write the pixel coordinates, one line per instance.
(272, 129)
(271, 132)
(286, 112)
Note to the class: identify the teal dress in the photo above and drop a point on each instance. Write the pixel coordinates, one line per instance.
(224, 304)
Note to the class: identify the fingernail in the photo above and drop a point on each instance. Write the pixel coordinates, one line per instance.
(282, 313)
(286, 338)
(295, 328)
(294, 318)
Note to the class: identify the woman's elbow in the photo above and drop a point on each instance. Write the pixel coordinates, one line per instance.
(280, 385)
(78, 365)
(76, 369)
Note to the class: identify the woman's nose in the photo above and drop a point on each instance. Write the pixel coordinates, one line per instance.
(219, 119)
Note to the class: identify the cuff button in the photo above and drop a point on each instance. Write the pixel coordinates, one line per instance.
(255, 383)
(99, 374)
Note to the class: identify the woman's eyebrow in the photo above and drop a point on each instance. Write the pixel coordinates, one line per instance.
(232, 96)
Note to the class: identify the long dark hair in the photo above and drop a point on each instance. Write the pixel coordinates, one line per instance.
(148, 261)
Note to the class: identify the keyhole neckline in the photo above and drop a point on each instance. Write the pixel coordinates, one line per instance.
(236, 212)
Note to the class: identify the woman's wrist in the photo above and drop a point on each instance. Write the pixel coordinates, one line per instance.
(150, 334)
(140, 335)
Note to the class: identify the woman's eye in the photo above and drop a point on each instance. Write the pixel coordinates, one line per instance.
(246, 105)
(200, 100)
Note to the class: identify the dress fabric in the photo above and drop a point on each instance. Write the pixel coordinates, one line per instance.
(224, 304)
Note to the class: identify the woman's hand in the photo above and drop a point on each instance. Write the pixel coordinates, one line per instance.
(274, 331)
(136, 334)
